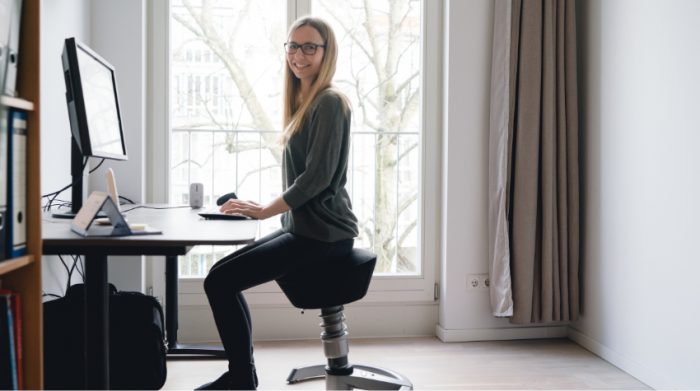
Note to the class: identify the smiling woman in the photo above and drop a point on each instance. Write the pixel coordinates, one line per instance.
(318, 224)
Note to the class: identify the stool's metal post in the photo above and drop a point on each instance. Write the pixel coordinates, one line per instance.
(335, 347)
(335, 340)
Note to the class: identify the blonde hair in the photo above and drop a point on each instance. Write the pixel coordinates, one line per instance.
(295, 113)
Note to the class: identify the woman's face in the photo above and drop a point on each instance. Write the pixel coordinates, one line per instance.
(306, 67)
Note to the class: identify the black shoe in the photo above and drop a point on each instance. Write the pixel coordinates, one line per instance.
(222, 383)
(244, 382)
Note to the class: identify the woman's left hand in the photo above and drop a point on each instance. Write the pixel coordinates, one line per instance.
(246, 208)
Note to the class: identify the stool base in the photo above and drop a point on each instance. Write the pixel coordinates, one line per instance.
(363, 376)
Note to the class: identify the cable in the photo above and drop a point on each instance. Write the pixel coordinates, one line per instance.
(70, 272)
(79, 261)
(61, 204)
(98, 166)
(75, 262)
(153, 207)
(56, 193)
(64, 263)
(49, 294)
(128, 200)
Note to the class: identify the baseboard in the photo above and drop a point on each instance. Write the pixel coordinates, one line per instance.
(630, 367)
(502, 334)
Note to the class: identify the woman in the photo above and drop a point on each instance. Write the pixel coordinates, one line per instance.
(317, 219)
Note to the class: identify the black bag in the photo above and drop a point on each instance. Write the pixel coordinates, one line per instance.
(137, 346)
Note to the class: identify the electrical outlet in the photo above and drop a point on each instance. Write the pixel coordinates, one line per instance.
(478, 282)
(485, 281)
(473, 282)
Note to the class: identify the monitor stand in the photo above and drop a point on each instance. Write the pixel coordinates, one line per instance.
(79, 189)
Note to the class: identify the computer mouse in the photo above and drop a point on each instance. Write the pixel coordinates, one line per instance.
(222, 200)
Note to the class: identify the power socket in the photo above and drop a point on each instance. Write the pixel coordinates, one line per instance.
(479, 282)
(473, 282)
(485, 281)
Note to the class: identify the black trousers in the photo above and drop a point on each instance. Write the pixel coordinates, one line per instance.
(269, 258)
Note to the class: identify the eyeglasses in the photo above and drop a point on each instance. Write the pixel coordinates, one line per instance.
(307, 48)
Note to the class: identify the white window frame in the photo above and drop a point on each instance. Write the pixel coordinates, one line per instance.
(384, 289)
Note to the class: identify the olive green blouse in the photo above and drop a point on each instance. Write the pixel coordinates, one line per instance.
(314, 170)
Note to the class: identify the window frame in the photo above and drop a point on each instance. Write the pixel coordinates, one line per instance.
(419, 288)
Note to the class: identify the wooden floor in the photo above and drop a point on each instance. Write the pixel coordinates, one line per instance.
(429, 364)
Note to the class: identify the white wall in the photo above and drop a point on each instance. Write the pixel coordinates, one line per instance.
(59, 20)
(118, 34)
(639, 90)
(116, 31)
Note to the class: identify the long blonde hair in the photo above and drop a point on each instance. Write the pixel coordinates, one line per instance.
(295, 113)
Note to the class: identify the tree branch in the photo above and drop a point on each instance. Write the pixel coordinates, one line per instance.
(403, 155)
(256, 171)
(407, 202)
(348, 30)
(409, 108)
(406, 83)
(406, 232)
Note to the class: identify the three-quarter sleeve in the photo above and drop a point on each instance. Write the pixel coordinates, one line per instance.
(324, 151)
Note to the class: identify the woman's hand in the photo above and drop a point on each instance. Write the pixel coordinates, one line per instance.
(255, 210)
(246, 208)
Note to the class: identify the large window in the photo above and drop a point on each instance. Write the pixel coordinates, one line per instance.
(226, 113)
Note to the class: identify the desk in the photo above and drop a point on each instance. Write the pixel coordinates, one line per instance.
(182, 229)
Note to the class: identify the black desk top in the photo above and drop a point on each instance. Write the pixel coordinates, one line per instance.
(182, 228)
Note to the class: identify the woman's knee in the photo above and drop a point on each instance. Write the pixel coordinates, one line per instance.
(223, 280)
(211, 283)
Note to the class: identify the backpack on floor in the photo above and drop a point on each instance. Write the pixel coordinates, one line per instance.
(137, 347)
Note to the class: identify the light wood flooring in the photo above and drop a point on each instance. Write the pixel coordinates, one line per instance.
(429, 364)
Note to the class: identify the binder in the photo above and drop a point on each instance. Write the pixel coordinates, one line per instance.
(12, 48)
(4, 124)
(8, 361)
(16, 242)
(5, 18)
(17, 330)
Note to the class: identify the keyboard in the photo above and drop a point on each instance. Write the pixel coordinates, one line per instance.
(214, 214)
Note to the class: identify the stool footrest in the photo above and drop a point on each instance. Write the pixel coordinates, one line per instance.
(365, 377)
(305, 373)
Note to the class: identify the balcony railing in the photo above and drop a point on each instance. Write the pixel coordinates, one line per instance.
(383, 177)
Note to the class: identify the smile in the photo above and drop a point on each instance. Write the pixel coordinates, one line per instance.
(299, 66)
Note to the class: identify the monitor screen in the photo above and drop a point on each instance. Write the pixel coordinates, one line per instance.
(100, 105)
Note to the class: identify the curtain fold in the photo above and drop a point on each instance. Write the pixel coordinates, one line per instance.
(533, 163)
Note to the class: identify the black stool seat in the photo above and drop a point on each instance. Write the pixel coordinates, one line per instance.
(331, 283)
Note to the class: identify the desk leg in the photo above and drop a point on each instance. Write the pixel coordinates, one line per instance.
(171, 291)
(171, 317)
(96, 323)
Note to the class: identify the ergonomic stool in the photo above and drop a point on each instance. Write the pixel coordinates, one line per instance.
(328, 286)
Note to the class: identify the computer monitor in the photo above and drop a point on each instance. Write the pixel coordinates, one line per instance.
(94, 113)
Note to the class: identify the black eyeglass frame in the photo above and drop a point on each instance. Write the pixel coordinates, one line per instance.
(287, 44)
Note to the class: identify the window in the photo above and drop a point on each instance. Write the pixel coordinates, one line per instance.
(223, 132)
(378, 69)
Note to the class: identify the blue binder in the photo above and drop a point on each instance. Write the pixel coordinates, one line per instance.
(16, 241)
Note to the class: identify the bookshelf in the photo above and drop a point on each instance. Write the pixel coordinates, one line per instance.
(23, 275)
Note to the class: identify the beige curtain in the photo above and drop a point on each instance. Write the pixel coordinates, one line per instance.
(533, 163)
